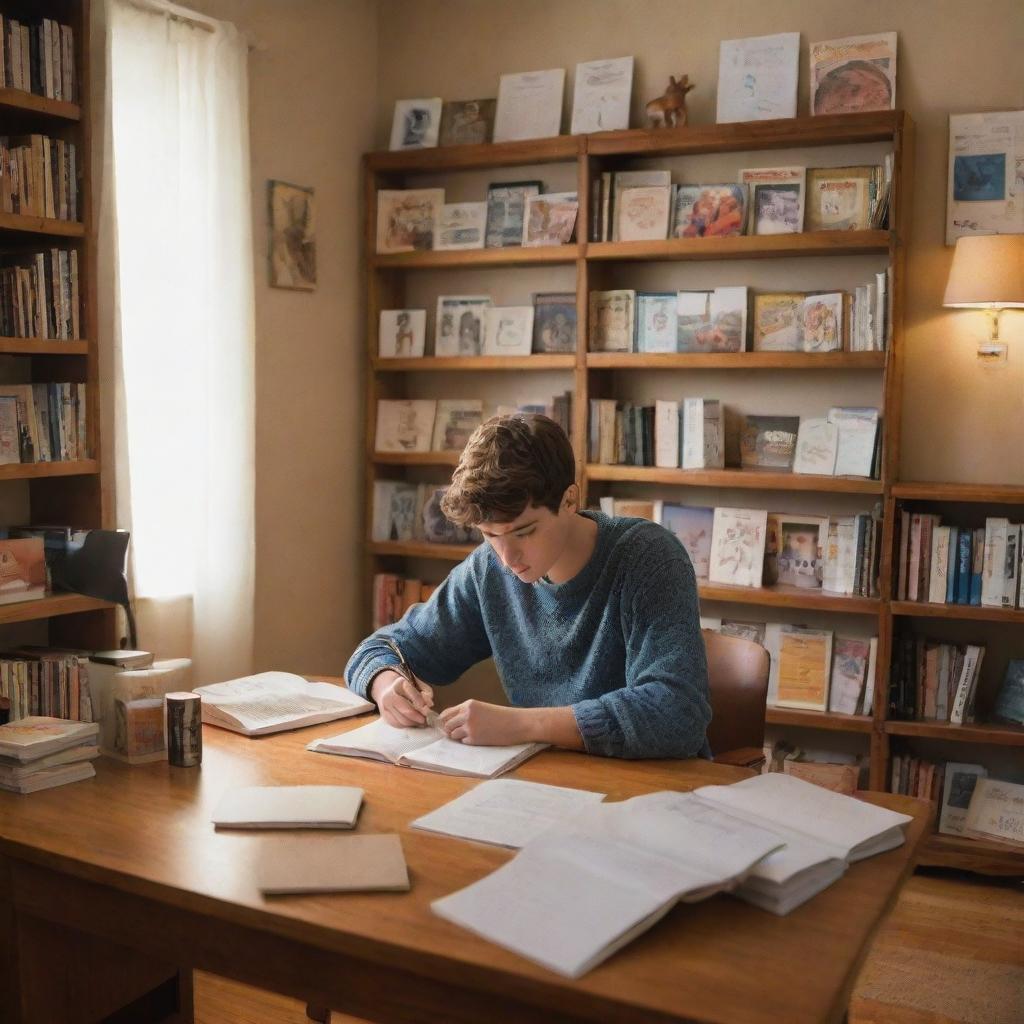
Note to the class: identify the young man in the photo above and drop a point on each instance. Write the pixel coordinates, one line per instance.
(592, 622)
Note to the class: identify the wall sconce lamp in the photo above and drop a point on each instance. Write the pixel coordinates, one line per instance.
(987, 273)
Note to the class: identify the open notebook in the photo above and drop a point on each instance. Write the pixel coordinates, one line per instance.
(427, 748)
(275, 701)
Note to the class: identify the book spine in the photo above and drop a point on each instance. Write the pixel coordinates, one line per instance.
(964, 562)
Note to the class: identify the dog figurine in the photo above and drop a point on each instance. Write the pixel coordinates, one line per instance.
(669, 109)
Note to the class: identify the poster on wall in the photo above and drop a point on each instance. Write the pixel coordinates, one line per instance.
(292, 236)
(985, 190)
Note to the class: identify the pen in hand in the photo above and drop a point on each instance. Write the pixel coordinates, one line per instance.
(433, 719)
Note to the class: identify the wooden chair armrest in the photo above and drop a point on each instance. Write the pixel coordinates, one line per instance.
(742, 757)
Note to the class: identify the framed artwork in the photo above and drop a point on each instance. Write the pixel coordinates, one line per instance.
(416, 123)
(292, 236)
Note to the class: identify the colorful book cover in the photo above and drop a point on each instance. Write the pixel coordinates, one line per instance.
(964, 561)
(710, 211)
(692, 525)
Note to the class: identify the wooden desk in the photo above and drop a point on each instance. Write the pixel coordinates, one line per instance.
(112, 886)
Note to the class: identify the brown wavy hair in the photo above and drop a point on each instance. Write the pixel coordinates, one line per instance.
(509, 463)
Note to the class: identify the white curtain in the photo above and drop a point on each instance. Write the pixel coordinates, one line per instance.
(176, 220)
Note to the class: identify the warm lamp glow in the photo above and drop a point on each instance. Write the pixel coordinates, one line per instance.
(987, 273)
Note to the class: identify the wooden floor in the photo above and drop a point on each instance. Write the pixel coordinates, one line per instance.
(951, 953)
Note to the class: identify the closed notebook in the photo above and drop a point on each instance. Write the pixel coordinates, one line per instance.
(289, 807)
(331, 864)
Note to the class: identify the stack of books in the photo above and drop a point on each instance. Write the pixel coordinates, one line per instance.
(934, 681)
(40, 753)
(38, 681)
(394, 595)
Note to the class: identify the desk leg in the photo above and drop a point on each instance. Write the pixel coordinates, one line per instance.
(49, 973)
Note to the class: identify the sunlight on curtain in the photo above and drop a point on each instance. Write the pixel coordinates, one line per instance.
(184, 336)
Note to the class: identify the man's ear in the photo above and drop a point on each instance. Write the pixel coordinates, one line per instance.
(571, 498)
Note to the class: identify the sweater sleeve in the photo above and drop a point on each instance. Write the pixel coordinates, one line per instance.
(663, 710)
(440, 638)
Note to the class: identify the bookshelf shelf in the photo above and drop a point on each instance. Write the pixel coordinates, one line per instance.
(739, 478)
(745, 247)
(416, 458)
(783, 133)
(475, 364)
(559, 148)
(36, 470)
(514, 256)
(971, 855)
(967, 612)
(829, 361)
(412, 549)
(18, 100)
(990, 494)
(41, 225)
(51, 606)
(995, 733)
(819, 720)
(781, 596)
(42, 347)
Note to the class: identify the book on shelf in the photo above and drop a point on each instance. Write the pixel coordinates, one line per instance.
(757, 77)
(703, 441)
(270, 702)
(693, 526)
(404, 425)
(858, 440)
(427, 748)
(455, 421)
(823, 322)
(996, 812)
(467, 122)
(616, 184)
(459, 325)
(775, 199)
(554, 322)
(550, 218)
(656, 321)
(404, 511)
(794, 550)
(934, 680)
(288, 807)
(508, 330)
(642, 213)
(416, 123)
(47, 682)
(29, 738)
(506, 211)
(612, 320)
(402, 333)
(712, 211)
(667, 430)
(39, 295)
(852, 74)
(737, 546)
(851, 658)
(1009, 705)
(918, 777)
(841, 198)
(310, 864)
(461, 226)
(958, 787)
(768, 442)
(394, 595)
(601, 94)
(805, 663)
(529, 105)
(816, 446)
(39, 177)
(838, 778)
(38, 57)
(407, 219)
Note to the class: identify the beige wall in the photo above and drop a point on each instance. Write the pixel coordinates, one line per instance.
(961, 421)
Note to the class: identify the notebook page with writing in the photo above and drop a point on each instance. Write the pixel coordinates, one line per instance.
(852, 828)
(453, 758)
(377, 740)
(506, 812)
(568, 902)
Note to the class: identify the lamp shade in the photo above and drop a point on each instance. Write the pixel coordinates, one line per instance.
(987, 272)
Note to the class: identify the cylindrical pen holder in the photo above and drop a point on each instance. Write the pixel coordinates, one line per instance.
(184, 729)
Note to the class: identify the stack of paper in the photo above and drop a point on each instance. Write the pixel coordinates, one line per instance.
(289, 807)
(38, 752)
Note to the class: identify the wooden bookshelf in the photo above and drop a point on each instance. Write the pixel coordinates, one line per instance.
(988, 858)
(597, 374)
(72, 493)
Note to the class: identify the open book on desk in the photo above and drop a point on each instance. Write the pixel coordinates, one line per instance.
(574, 896)
(276, 701)
(427, 748)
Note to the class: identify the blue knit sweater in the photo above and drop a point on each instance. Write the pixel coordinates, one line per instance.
(620, 642)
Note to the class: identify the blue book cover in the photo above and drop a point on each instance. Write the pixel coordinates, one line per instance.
(1010, 702)
(977, 564)
(952, 564)
(963, 569)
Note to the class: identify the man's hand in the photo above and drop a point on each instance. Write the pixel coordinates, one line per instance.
(401, 704)
(487, 725)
